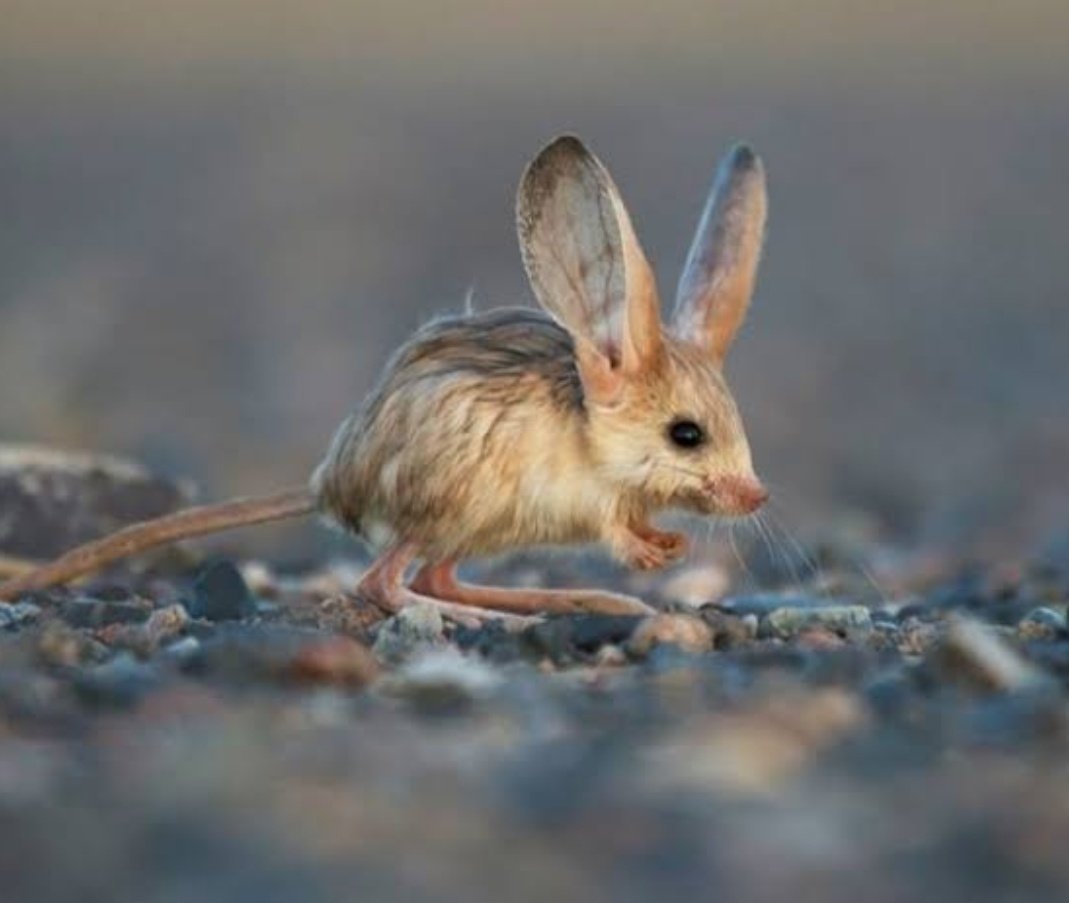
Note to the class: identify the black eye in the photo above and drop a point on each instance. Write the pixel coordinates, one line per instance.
(686, 433)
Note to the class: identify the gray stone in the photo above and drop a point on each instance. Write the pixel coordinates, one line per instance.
(1042, 624)
(730, 630)
(182, 650)
(685, 632)
(787, 622)
(415, 628)
(762, 604)
(144, 639)
(15, 616)
(165, 623)
(221, 594)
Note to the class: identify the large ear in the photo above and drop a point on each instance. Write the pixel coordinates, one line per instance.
(721, 269)
(585, 264)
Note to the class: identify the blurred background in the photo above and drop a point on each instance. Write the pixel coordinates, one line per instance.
(219, 218)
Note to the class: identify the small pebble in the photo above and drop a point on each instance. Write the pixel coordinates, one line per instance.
(885, 614)
(414, 628)
(221, 594)
(917, 637)
(686, 632)
(884, 637)
(18, 614)
(730, 631)
(571, 639)
(763, 604)
(335, 660)
(144, 639)
(610, 656)
(165, 623)
(1042, 624)
(182, 650)
(259, 577)
(591, 632)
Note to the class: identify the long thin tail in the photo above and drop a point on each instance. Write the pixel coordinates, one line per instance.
(160, 531)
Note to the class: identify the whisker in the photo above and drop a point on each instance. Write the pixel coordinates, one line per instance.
(766, 536)
(866, 572)
(735, 549)
(808, 560)
(776, 549)
(709, 526)
(814, 564)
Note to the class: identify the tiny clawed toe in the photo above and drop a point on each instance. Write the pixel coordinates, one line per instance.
(648, 557)
(653, 549)
(674, 545)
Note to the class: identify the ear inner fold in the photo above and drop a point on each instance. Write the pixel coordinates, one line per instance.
(721, 269)
(582, 257)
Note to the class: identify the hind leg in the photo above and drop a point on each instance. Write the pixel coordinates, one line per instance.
(439, 581)
(383, 586)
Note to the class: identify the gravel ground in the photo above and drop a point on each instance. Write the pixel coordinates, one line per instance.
(226, 732)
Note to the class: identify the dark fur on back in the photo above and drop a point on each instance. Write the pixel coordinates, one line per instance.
(506, 343)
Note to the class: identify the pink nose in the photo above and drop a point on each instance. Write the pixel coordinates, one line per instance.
(743, 495)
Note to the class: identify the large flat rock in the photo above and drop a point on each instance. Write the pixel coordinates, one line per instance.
(51, 500)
